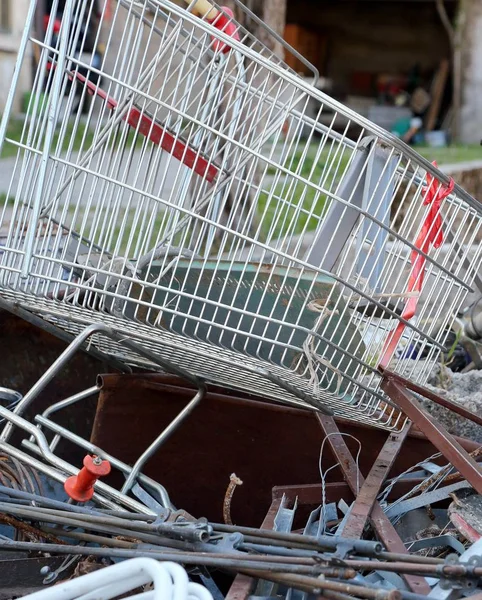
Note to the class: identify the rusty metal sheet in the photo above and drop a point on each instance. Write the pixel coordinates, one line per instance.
(465, 512)
(229, 432)
(29, 351)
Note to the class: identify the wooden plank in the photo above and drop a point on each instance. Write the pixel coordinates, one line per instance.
(437, 92)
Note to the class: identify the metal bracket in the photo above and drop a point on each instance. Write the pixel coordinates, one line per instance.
(440, 592)
(438, 542)
(464, 583)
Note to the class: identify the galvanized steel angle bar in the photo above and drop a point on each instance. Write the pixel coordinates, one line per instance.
(425, 499)
(436, 542)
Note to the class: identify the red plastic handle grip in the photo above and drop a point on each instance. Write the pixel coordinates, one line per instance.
(80, 487)
(224, 21)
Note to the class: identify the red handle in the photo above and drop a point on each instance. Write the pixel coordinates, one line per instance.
(80, 487)
(224, 21)
(431, 234)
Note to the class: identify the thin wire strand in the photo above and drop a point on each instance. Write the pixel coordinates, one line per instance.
(323, 474)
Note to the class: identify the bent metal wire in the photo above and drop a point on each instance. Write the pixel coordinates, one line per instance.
(218, 210)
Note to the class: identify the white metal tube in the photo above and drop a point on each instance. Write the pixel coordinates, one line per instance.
(170, 582)
(49, 136)
(16, 73)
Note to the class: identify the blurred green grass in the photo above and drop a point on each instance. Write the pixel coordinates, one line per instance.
(290, 207)
(285, 206)
(293, 208)
(451, 154)
(83, 138)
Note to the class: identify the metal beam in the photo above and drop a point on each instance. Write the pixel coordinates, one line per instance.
(311, 494)
(435, 432)
(378, 520)
(426, 393)
(366, 498)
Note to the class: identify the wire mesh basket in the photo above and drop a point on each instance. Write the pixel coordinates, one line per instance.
(192, 192)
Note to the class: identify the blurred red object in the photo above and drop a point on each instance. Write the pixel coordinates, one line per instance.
(57, 23)
(362, 83)
(391, 85)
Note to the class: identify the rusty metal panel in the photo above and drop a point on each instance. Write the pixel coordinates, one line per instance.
(226, 433)
(28, 352)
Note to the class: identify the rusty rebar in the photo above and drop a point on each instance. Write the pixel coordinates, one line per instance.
(315, 585)
(234, 481)
(28, 530)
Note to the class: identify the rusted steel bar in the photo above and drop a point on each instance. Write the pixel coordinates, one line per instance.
(317, 585)
(234, 481)
(311, 494)
(440, 570)
(31, 532)
(426, 393)
(437, 434)
(378, 519)
(243, 584)
(277, 538)
(366, 498)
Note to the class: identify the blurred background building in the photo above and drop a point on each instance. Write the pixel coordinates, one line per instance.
(390, 60)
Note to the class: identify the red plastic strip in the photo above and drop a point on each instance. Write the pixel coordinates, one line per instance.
(157, 134)
(94, 90)
(465, 528)
(168, 142)
(431, 234)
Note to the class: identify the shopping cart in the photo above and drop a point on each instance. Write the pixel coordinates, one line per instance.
(212, 220)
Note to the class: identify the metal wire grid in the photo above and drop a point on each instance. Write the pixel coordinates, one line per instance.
(290, 253)
(223, 367)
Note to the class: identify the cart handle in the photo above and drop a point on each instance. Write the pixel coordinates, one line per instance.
(221, 19)
(204, 9)
(148, 127)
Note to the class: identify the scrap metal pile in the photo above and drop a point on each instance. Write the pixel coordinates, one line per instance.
(272, 286)
(64, 544)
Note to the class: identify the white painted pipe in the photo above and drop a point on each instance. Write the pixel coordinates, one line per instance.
(170, 582)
